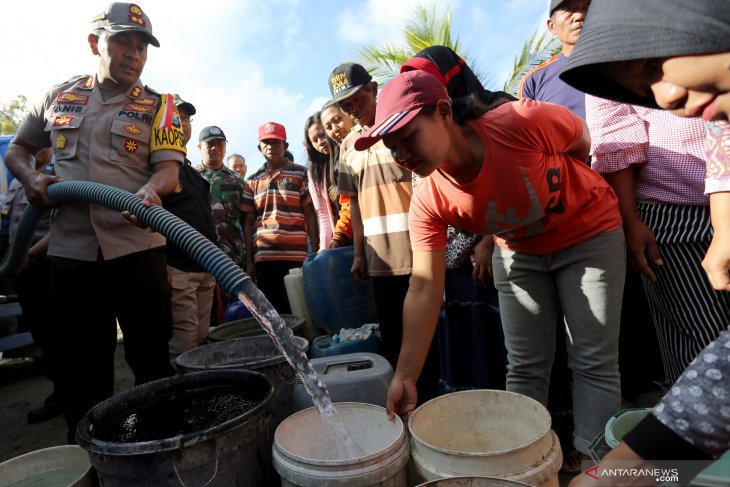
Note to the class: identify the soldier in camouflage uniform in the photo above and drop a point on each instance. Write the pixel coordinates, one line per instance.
(226, 193)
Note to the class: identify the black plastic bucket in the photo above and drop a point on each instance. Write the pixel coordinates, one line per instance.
(257, 353)
(204, 428)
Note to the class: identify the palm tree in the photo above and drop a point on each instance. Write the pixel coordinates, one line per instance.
(536, 50)
(426, 27)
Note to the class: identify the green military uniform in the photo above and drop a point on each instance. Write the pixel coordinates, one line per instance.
(226, 201)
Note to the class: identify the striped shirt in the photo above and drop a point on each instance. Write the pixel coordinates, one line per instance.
(668, 151)
(384, 190)
(278, 199)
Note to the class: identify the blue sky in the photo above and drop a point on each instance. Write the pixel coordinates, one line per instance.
(245, 62)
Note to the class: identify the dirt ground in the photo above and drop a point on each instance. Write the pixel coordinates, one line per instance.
(23, 387)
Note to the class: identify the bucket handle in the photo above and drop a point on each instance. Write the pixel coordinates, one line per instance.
(595, 446)
(215, 470)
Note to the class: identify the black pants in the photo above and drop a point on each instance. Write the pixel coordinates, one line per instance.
(270, 281)
(88, 298)
(390, 293)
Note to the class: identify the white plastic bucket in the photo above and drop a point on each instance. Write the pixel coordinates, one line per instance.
(307, 454)
(66, 465)
(484, 433)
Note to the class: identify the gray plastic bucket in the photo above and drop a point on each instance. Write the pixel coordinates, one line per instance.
(66, 465)
(257, 353)
(250, 327)
(230, 452)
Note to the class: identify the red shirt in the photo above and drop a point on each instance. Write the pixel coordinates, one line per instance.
(531, 195)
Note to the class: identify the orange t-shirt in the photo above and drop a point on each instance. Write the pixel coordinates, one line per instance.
(531, 195)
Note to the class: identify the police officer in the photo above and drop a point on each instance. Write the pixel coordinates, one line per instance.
(107, 128)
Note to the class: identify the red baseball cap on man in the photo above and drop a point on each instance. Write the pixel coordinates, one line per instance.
(272, 130)
(400, 101)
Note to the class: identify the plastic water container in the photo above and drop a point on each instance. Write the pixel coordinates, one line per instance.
(230, 452)
(307, 454)
(326, 346)
(484, 433)
(334, 298)
(249, 328)
(355, 377)
(58, 465)
(236, 311)
(294, 283)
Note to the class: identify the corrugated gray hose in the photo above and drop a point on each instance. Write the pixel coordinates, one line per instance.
(228, 274)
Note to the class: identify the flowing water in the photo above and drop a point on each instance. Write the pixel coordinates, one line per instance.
(260, 307)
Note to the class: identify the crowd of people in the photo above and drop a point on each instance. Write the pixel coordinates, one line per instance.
(517, 243)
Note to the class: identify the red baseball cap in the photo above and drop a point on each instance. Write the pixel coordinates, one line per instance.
(272, 130)
(400, 101)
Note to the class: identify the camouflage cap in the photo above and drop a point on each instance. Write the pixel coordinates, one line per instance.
(125, 17)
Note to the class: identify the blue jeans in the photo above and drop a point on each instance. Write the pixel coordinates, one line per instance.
(586, 282)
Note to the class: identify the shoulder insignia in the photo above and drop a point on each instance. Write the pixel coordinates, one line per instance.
(131, 145)
(63, 120)
(89, 83)
(138, 108)
(60, 142)
(132, 129)
(178, 188)
(145, 101)
(71, 98)
(73, 79)
(135, 92)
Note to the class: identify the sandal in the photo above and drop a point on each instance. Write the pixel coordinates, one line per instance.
(572, 462)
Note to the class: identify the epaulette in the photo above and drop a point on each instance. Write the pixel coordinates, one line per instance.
(73, 79)
(146, 87)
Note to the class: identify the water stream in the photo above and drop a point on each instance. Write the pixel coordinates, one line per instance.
(283, 337)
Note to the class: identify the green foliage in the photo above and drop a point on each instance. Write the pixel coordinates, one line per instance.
(426, 27)
(536, 50)
(12, 114)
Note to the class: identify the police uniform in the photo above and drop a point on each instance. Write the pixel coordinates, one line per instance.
(104, 269)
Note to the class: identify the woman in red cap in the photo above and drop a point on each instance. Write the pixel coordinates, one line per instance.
(515, 172)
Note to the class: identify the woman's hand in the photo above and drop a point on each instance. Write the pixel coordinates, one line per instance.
(483, 251)
(402, 397)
